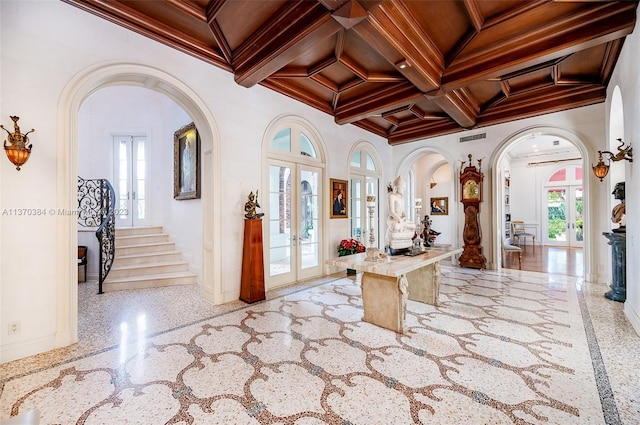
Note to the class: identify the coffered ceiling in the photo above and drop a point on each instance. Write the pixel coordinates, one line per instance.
(402, 69)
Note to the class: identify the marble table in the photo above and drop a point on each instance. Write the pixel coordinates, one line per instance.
(388, 283)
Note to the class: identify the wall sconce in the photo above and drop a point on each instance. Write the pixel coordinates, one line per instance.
(433, 183)
(17, 146)
(601, 169)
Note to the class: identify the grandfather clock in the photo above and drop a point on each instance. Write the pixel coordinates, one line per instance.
(471, 197)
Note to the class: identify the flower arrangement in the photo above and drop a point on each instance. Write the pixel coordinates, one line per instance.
(350, 246)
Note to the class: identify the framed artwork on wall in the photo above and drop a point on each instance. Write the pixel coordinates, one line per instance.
(338, 199)
(440, 206)
(186, 163)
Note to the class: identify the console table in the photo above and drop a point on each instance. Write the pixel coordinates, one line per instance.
(388, 283)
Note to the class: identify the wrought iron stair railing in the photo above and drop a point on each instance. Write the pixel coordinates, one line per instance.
(96, 208)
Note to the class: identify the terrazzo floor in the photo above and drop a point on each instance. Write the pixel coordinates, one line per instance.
(502, 347)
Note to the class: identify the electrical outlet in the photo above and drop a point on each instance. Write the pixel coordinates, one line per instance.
(14, 328)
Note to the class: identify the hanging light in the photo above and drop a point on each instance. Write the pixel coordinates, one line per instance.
(433, 183)
(17, 146)
(601, 169)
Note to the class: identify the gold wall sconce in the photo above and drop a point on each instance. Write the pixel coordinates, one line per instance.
(624, 153)
(17, 146)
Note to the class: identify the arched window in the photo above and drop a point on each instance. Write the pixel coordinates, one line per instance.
(365, 172)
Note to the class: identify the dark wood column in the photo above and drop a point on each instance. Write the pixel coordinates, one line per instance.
(252, 284)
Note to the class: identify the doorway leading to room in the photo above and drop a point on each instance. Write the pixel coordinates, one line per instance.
(544, 190)
(129, 179)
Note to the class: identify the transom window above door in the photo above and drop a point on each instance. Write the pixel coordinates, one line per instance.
(293, 141)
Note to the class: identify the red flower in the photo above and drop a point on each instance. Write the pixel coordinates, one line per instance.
(350, 246)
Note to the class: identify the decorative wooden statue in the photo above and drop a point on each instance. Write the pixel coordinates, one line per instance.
(471, 197)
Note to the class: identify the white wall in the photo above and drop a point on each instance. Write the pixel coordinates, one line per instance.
(627, 76)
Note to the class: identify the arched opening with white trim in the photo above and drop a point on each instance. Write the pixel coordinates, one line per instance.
(616, 131)
(74, 94)
(537, 167)
(426, 166)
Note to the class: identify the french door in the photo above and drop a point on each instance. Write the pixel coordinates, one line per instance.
(361, 219)
(564, 218)
(129, 162)
(294, 222)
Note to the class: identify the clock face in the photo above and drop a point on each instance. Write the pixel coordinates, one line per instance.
(471, 190)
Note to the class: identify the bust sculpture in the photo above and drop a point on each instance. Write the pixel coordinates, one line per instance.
(400, 230)
(618, 213)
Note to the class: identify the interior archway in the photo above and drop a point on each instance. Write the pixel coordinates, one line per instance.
(74, 94)
(423, 164)
(577, 153)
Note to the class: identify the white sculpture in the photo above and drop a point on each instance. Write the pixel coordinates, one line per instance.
(400, 229)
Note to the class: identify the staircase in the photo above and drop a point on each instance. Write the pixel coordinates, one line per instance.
(145, 258)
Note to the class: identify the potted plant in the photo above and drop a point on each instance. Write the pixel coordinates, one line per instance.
(349, 247)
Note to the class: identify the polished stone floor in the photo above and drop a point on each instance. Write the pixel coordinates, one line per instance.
(502, 347)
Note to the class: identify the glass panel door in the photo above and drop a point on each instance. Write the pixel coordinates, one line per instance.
(281, 261)
(294, 222)
(309, 219)
(564, 224)
(129, 180)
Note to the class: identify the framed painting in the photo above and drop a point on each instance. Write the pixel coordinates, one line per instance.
(338, 199)
(440, 206)
(186, 163)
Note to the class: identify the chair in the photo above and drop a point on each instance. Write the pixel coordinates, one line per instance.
(82, 260)
(518, 231)
(507, 247)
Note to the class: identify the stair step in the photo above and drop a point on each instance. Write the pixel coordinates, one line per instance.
(143, 230)
(154, 268)
(144, 248)
(162, 257)
(141, 239)
(149, 281)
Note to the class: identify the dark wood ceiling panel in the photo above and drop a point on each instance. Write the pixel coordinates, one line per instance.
(583, 65)
(361, 52)
(239, 20)
(401, 69)
(445, 24)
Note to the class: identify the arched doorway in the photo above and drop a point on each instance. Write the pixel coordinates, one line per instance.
(537, 171)
(74, 94)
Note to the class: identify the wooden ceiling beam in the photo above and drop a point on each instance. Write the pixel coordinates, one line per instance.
(351, 84)
(392, 31)
(135, 21)
(189, 8)
(326, 83)
(354, 67)
(376, 102)
(213, 8)
(475, 15)
(322, 65)
(293, 31)
(598, 23)
(460, 105)
(216, 31)
(297, 93)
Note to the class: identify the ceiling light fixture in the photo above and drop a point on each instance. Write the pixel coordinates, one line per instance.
(624, 153)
